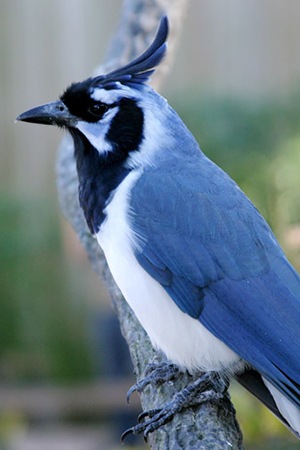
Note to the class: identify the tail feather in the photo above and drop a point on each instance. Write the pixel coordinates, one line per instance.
(288, 410)
(272, 398)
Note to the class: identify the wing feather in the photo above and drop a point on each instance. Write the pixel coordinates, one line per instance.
(205, 242)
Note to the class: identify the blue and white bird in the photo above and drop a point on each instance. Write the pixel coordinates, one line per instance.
(194, 259)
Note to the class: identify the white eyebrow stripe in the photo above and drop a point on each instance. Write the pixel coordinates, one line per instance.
(112, 95)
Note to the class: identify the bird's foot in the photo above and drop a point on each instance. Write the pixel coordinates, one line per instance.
(209, 387)
(155, 374)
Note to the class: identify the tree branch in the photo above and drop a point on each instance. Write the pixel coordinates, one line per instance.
(210, 426)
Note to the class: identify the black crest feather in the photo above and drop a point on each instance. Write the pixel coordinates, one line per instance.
(140, 69)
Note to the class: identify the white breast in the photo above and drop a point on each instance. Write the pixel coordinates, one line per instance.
(184, 340)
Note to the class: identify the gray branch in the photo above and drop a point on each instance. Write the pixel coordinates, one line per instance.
(210, 426)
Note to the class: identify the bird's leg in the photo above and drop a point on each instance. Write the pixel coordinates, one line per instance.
(208, 387)
(155, 374)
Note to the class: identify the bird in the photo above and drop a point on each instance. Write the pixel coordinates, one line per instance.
(197, 263)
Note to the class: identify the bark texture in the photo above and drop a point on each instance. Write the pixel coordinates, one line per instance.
(207, 427)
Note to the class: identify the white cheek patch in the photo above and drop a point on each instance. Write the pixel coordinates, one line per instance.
(96, 132)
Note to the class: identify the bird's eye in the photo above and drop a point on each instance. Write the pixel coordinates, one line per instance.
(98, 109)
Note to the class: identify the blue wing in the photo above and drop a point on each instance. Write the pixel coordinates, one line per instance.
(204, 241)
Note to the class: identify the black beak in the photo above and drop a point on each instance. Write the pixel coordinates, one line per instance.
(55, 113)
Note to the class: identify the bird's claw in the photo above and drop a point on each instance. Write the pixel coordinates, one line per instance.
(157, 418)
(209, 387)
(155, 374)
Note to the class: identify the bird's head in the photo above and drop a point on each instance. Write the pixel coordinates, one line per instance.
(107, 111)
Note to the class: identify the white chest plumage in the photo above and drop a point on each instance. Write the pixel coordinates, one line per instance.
(183, 339)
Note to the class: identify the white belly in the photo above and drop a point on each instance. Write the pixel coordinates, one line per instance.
(184, 340)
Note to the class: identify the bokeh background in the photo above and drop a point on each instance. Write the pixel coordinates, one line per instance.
(235, 81)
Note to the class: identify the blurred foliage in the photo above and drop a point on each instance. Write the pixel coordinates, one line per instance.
(44, 317)
(41, 333)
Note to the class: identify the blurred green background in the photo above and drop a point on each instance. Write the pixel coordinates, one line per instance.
(238, 92)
